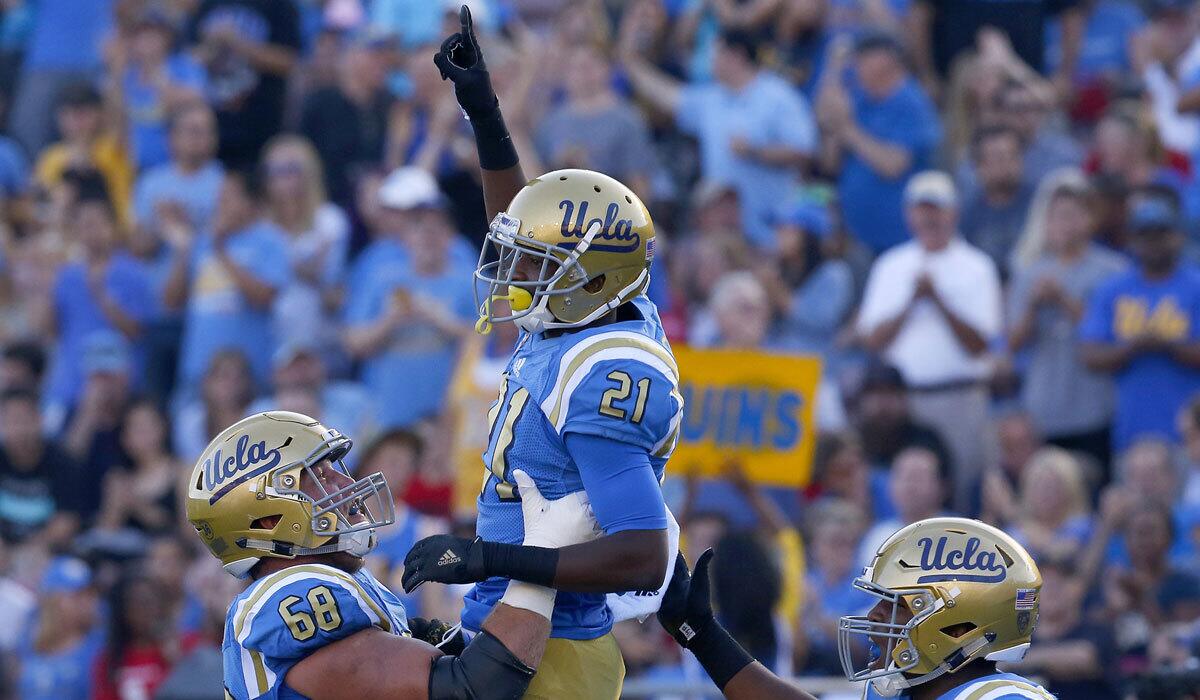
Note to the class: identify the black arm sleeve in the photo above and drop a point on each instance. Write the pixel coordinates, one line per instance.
(486, 670)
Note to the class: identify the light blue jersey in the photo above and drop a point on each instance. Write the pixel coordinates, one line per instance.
(995, 686)
(282, 618)
(616, 381)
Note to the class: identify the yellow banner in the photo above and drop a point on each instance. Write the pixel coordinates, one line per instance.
(755, 407)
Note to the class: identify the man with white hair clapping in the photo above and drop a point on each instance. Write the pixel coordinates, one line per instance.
(931, 307)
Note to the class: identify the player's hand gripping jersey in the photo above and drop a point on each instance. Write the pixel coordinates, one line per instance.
(282, 618)
(615, 382)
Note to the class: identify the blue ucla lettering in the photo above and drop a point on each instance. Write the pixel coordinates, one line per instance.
(611, 228)
(245, 456)
(787, 420)
(969, 558)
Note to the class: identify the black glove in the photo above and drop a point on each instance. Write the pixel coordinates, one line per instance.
(460, 61)
(686, 609)
(449, 638)
(445, 559)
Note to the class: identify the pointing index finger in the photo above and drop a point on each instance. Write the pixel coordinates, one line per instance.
(465, 23)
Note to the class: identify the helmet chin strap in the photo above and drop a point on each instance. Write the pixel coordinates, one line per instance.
(893, 685)
(356, 543)
(538, 318)
(541, 318)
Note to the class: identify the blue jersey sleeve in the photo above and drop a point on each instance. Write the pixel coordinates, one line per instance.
(301, 609)
(622, 398)
(620, 483)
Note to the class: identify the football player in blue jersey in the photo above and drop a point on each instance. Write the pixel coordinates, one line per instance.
(589, 400)
(271, 498)
(956, 596)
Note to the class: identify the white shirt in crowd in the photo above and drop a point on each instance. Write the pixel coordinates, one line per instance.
(925, 350)
(1179, 131)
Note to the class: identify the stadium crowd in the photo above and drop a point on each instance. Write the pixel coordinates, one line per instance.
(983, 216)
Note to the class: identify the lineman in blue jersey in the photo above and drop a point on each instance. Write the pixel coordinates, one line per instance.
(956, 596)
(271, 498)
(589, 399)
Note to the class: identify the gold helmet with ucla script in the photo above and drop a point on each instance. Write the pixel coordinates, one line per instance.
(971, 589)
(589, 236)
(274, 485)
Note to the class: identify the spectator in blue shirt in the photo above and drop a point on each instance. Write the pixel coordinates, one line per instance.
(107, 290)
(810, 292)
(837, 527)
(64, 638)
(1104, 52)
(152, 82)
(318, 237)
(180, 195)
(64, 48)
(388, 207)
(299, 365)
(228, 279)
(755, 131)
(1143, 327)
(879, 127)
(191, 181)
(405, 327)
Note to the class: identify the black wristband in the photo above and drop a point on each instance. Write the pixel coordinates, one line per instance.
(492, 141)
(516, 561)
(719, 653)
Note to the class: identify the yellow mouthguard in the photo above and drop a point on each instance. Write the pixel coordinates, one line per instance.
(518, 300)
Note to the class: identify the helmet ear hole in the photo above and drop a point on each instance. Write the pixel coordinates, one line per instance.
(958, 630)
(595, 284)
(267, 522)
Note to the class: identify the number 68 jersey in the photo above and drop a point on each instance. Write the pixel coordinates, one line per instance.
(282, 618)
(617, 381)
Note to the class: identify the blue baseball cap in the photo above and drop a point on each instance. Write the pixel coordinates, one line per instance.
(65, 575)
(1153, 214)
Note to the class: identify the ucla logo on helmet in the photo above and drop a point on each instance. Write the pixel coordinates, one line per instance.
(575, 224)
(218, 467)
(949, 561)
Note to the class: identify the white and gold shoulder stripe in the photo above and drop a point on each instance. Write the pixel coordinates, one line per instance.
(990, 690)
(575, 364)
(250, 606)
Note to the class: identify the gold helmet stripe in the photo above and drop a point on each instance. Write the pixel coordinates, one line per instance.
(651, 352)
(249, 607)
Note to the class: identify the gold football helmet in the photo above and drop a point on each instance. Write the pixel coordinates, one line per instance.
(274, 485)
(589, 235)
(971, 589)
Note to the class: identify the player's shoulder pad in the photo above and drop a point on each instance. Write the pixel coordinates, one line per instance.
(1000, 688)
(620, 384)
(294, 612)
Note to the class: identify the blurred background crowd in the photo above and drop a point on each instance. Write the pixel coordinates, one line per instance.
(983, 216)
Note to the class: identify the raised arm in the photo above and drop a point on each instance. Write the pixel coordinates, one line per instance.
(686, 613)
(461, 62)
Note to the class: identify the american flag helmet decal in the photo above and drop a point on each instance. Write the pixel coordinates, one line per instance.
(1027, 598)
